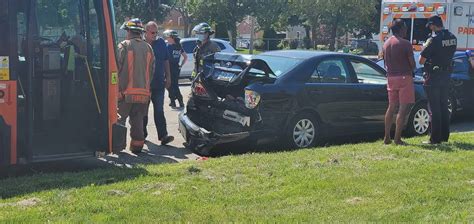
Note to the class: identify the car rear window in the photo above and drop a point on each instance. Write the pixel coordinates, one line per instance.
(279, 65)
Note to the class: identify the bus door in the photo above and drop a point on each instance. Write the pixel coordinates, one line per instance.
(462, 25)
(66, 80)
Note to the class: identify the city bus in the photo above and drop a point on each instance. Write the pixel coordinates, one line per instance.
(58, 80)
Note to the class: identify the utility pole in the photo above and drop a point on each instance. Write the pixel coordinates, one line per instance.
(252, 34)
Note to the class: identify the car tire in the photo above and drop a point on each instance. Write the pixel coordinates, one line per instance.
(303, 131)
(419, 120)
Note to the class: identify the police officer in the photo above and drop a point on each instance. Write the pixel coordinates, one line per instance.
(437, 57)
(135, 70)
(175, 51)
(205, 46)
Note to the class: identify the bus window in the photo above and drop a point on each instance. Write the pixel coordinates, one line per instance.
(4, 23)
(60, 21)
(94, 35)
(409, 25)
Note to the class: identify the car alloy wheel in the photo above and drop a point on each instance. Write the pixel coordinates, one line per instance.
(304, 133)
(421, 121)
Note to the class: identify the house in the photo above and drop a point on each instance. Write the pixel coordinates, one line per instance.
(174, 21)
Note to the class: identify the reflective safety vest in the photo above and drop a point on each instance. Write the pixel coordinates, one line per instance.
(136, 65)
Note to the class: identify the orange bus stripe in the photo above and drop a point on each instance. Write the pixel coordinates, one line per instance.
(112, 68)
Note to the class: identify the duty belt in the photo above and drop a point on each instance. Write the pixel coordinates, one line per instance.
(437, 68)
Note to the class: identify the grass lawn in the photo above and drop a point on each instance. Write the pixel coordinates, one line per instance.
(347, 183)
(246, 51)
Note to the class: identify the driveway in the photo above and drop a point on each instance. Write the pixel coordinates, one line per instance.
(153, 151)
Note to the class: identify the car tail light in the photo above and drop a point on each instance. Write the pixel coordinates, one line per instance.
(199, 90)
(252, 99)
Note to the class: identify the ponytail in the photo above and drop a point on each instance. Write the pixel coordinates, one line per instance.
(177, 42)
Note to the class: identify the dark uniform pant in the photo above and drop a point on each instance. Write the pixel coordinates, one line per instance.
(157, 99)
(438, 103)
(136, 112)
(174, 92)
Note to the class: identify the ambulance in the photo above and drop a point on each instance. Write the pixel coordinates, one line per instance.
(457, 15)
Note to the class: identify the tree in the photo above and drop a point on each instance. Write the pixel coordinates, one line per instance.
(307, 13)
(146, 10)
(185, 8)
(338, 17)
(225, 12)
(270, 14)
(367, 25)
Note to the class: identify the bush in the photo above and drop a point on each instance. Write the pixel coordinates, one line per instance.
(284, 44)
(307, 43)
(322, 47)
(294, 44)
(270, 36)
(357, 51)
(259, 45)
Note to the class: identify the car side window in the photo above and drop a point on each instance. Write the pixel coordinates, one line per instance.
(367, 74)
(221, 45)
(188, 46)
(330, 71)
(461, 65)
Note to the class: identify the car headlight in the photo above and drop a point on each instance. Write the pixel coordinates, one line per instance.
(252, 99)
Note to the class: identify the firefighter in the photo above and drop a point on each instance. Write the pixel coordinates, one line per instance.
(205, 46)
(175, 51)
(136, 67)
(437, 57)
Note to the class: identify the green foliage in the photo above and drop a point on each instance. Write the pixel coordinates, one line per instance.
(146, 10)
(322, 47)
(259, 45)
(337, 17)
(353, 183)
(270, 37)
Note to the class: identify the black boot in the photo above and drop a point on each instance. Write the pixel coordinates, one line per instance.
(181, 103)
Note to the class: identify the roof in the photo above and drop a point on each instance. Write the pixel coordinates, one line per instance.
(301, 54)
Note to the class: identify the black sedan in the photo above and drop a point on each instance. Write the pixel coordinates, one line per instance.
(296, 97)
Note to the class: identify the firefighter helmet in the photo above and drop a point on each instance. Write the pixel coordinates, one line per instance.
(133, 25)
(170, 33)
(202, 28)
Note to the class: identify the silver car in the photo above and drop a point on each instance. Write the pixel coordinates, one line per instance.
(189, 44)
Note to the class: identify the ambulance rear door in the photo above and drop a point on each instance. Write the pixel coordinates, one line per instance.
(462, 24)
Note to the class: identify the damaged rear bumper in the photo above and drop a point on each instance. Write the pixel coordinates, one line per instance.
(201, 140)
